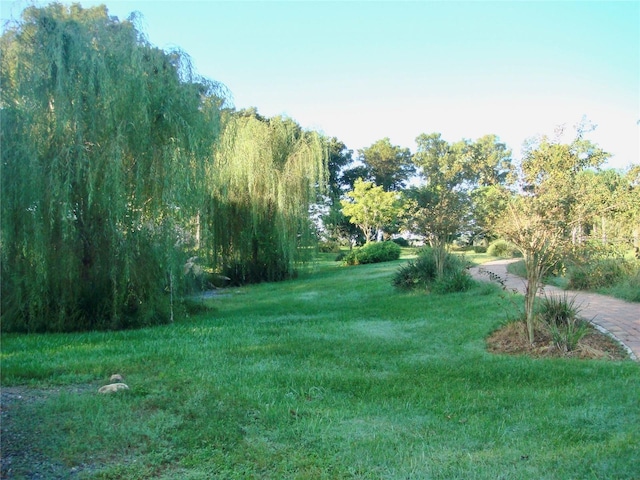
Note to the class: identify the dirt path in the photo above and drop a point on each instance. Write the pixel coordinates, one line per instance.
(618, 317)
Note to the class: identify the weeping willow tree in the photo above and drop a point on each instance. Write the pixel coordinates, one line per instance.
(265, 176)
(105, 142)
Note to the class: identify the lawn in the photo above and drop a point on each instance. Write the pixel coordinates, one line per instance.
(333, 375)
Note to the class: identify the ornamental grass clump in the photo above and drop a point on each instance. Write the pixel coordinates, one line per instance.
(423, 273)
(561, 315)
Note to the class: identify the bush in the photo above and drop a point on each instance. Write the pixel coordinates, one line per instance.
(479, 249)
(403, 242)
(422, 273)
(417, 273)
(629, 289)
(329, 246)
(374, 252)
(454, 280)
(560, 314)
(599, 273)
(501, 248)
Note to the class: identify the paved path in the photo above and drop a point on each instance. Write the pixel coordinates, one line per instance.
(617, 317)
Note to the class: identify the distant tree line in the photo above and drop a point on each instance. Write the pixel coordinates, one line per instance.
(552, 205)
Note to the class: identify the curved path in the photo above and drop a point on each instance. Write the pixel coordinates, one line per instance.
(619, 318)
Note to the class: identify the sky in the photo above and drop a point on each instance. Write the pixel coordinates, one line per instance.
(365, 70)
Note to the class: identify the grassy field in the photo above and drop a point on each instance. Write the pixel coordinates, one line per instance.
(334, 375)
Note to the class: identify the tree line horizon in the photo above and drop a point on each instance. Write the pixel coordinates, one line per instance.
(125, 176)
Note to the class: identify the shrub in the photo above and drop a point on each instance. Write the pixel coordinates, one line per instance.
(501, 248)
(454, 280)
(560, 314)
(598, 273)
(630, 288)
(417, 273)
(403, 242)
(422, 273)
(479, 249)
(374, 252)
(329, 246)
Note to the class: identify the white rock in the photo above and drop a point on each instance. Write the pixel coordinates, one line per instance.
(113, 387)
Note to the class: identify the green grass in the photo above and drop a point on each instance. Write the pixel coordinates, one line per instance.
(333, 375)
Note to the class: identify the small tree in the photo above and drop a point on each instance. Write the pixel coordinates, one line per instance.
(539, 239)
(442, 207)
(370, 208)
(438, 213)
(539, 221)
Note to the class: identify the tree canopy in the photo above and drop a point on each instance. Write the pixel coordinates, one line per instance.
(262, 182)
(443, 206)
(388, 166)
(539, 222)
(104, 150)
(370, 207)
(119, 164)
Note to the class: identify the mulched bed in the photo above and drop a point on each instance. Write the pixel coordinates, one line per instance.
(512, 339)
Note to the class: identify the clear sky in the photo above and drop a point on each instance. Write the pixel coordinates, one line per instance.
(362, 71)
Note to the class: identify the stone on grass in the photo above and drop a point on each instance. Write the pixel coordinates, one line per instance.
(113, 387)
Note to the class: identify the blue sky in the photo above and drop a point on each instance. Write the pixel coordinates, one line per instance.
(362, 71)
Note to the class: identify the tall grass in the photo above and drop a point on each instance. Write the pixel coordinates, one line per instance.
(334, 375)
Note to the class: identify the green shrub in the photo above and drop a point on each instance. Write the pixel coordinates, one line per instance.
(329, 246)
(629, 289)
(479, 249)
(501, 248)
(403, 242)
(454, 280)
(560, 315)
(598, 273)
(417, 273)
(374, 252)
(422, 273)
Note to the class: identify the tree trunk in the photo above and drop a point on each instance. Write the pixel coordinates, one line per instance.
(440, 255)
(533, 278)
(198, 231)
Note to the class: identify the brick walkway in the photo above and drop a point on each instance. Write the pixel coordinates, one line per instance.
(619, 318)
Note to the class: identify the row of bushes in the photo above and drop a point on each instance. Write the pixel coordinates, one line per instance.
(604, 270)
(374, 252)
(419, 273)
(607, 274)
(599, 273)
(590, 273)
